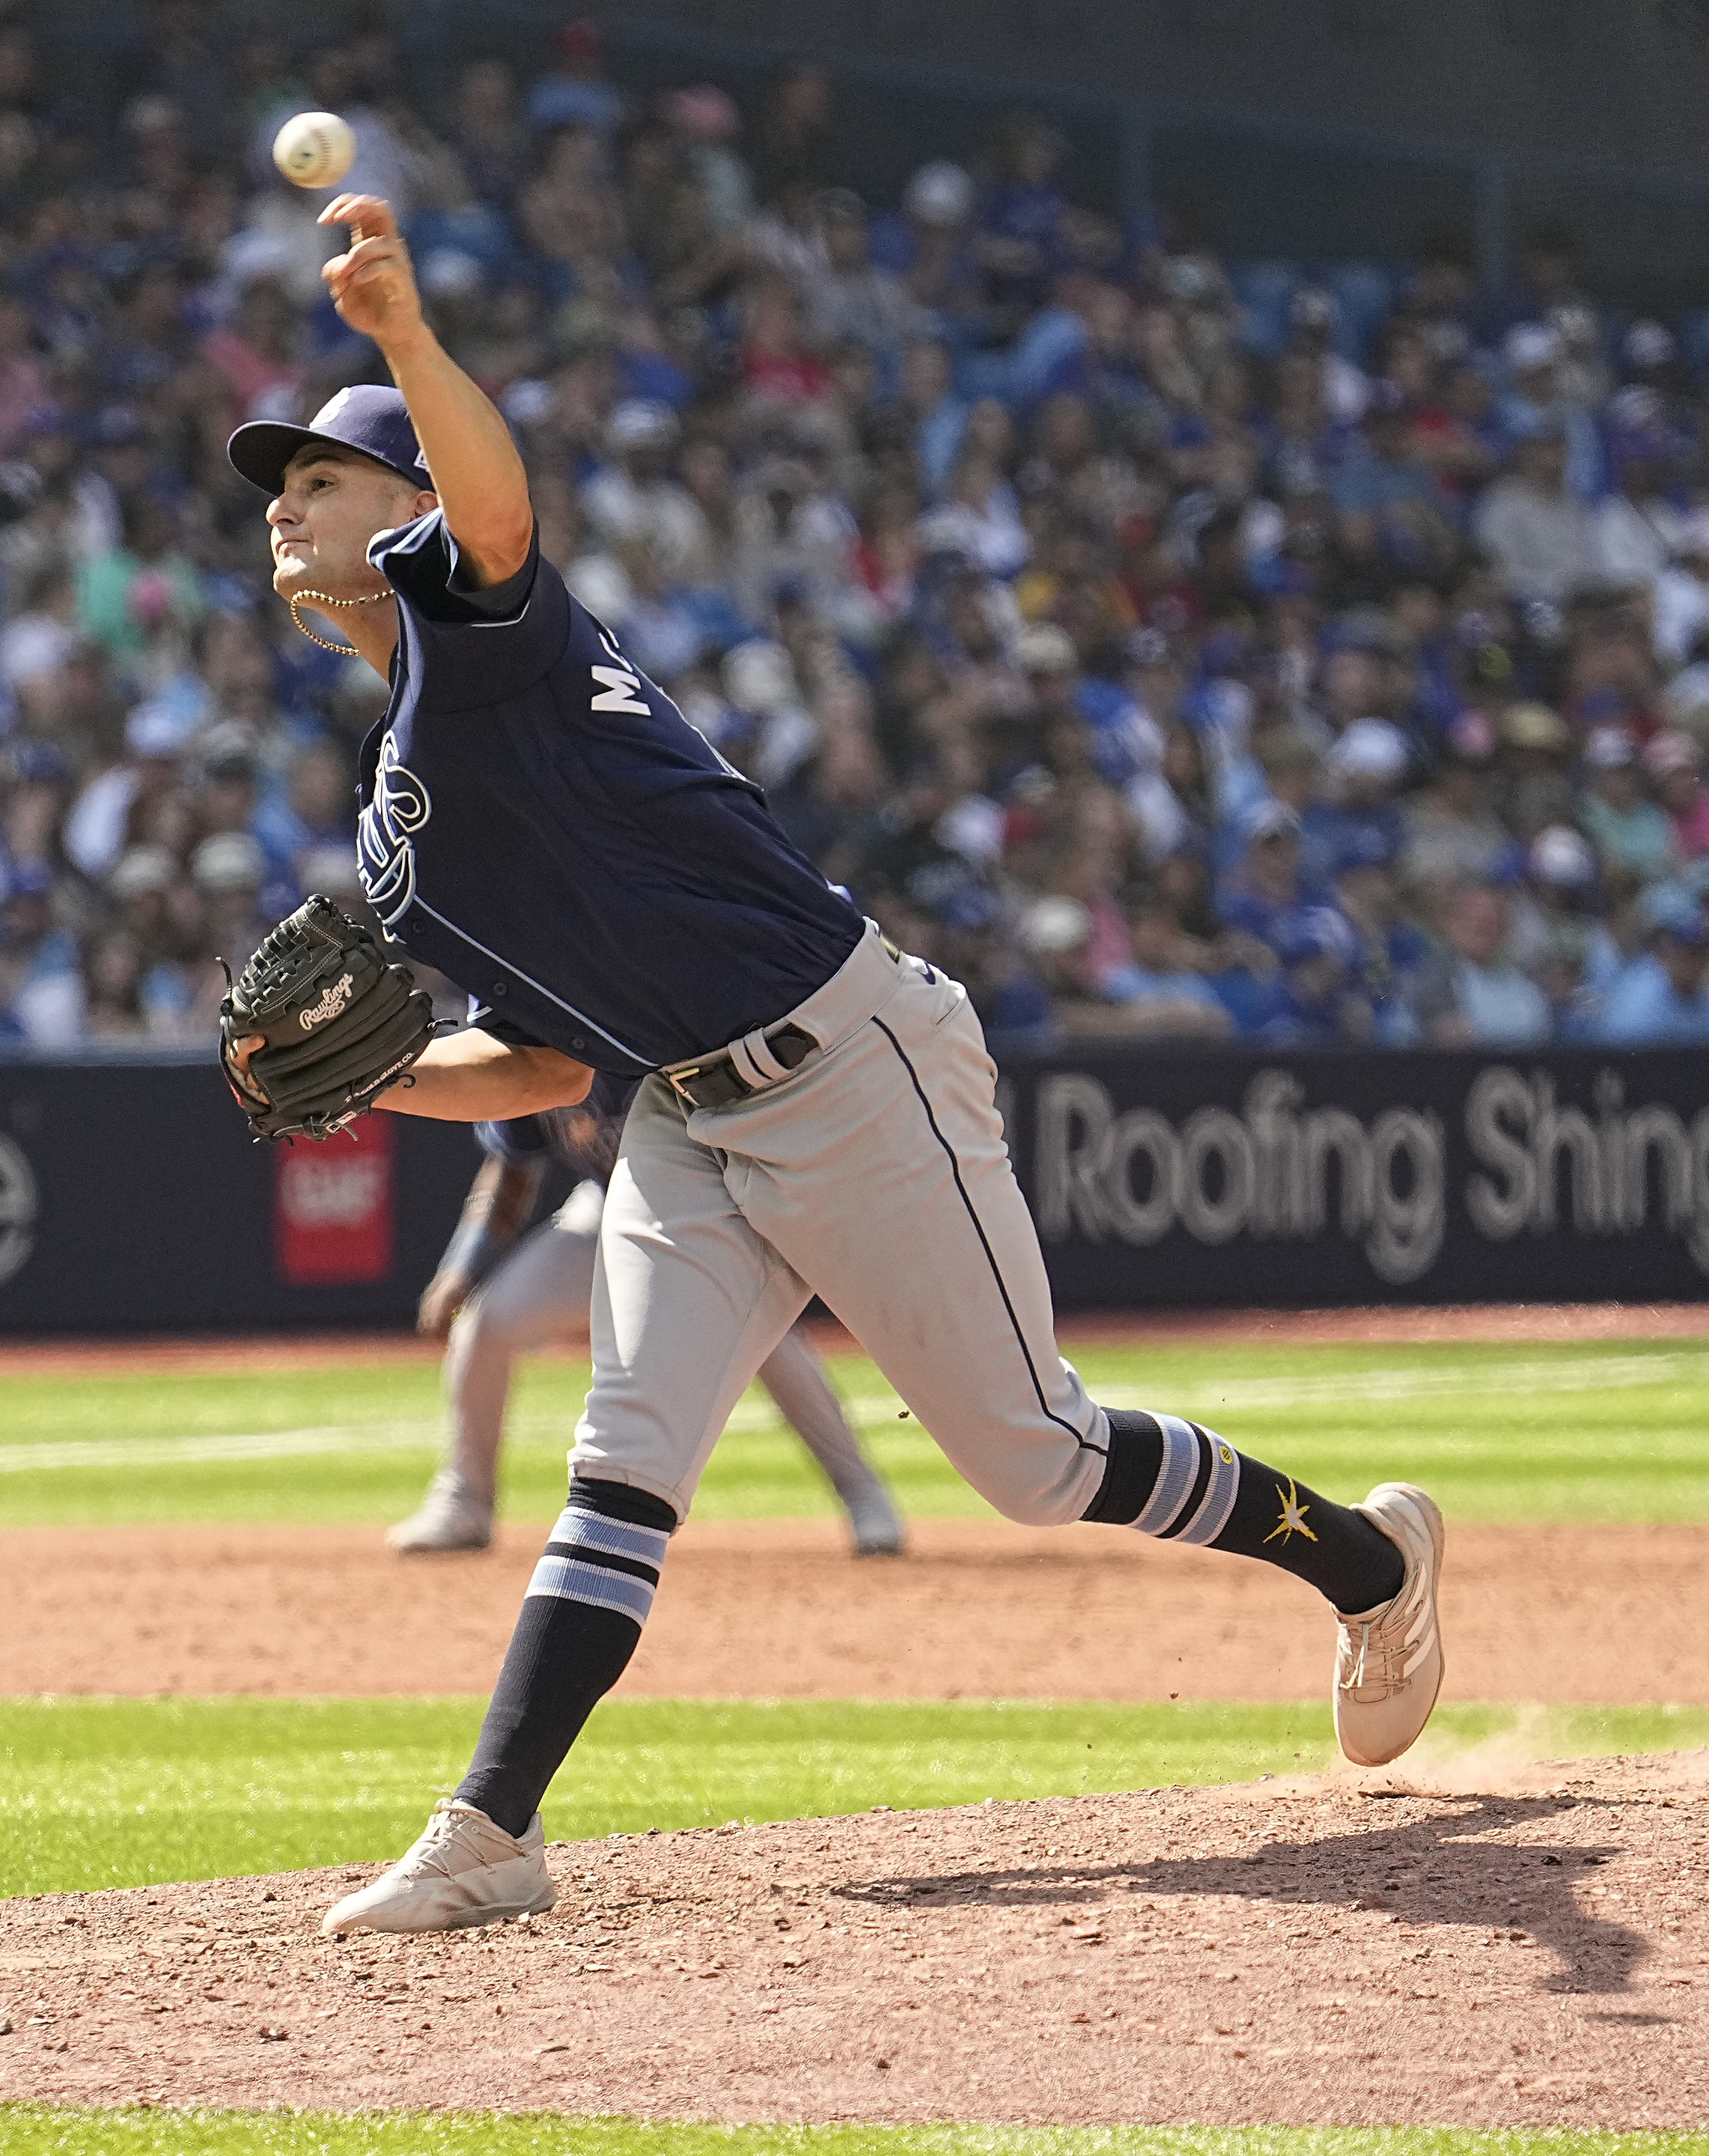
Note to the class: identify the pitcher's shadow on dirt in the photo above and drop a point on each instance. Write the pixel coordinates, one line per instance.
(1427, 1871)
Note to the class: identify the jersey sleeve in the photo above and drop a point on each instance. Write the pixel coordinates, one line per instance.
(468, 644)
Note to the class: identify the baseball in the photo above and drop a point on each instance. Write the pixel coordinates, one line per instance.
(314, 149)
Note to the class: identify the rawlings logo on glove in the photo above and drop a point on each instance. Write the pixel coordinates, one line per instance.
(318, 974)
(336, 997)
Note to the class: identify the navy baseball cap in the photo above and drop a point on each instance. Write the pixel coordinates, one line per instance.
(366, 418)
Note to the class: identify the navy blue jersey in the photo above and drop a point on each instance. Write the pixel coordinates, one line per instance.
(584, 1139)
(541, 824)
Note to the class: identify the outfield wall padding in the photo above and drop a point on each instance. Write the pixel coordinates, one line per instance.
(131, 1198)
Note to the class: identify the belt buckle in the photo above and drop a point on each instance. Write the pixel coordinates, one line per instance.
(707, 1074)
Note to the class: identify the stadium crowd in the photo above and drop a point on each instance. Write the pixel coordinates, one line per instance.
(1172, 648)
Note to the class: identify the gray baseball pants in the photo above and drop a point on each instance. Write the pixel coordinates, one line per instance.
(538, 1296)
(876, 1176)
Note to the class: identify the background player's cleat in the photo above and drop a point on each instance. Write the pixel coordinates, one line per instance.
(464, 1871)
(450, 1518)
(878, 1527)
(1389, 1659)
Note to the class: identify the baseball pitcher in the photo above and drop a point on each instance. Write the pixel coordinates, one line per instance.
(815, 1112)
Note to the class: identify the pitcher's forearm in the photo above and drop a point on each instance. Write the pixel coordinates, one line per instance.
(471, 1078)
(475, 471)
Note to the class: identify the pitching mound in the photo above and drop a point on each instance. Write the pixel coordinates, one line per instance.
(1532, 1948)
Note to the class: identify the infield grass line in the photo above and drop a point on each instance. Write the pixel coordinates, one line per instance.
(1574, 1433)
(868, 1410)
(51, 2130)
(137, 1793)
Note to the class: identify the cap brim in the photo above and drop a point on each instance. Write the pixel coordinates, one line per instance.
(261, 449)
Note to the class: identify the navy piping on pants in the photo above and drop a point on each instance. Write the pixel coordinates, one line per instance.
(1085, 1443)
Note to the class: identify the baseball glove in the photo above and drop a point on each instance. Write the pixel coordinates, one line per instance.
(317, 1023)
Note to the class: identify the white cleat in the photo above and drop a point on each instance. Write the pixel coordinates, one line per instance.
(450, 1518)
(878, 1527)
(464, 1871)
(1389, 1659)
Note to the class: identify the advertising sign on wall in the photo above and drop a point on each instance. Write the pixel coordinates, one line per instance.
(131, 1197)
(334, 1207)
(1176, 1179)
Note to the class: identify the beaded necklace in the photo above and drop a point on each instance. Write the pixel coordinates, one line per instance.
(325, 599)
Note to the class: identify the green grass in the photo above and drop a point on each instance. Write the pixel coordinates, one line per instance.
(1592, 1432)
(129, 1793)
(49, 2130)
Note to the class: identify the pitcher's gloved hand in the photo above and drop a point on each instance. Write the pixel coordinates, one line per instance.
(317, 1024)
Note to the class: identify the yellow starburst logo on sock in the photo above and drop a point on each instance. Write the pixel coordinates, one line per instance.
(1293, 1516)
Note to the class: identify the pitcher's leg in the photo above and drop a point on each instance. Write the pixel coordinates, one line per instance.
(897, 1202)
(910, 1223)
(687, 1301)
(580, 1622)
(795, 1378)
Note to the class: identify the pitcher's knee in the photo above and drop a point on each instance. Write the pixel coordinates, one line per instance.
(1051, 1500)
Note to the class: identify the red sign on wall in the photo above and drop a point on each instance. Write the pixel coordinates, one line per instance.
(334, 1214)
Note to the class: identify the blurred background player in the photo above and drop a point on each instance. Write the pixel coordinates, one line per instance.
(495, 1298)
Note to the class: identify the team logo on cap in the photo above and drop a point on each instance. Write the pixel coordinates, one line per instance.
(331, 409)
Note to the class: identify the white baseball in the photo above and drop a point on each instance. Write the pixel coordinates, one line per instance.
(314, 149)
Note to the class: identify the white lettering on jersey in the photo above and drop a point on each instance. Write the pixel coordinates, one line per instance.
(384, 847)
(622, 692)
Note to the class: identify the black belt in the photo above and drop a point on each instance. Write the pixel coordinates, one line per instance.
(715, 1081)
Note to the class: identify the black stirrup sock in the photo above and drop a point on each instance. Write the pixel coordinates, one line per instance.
(580, 1622)
(1181, 1483)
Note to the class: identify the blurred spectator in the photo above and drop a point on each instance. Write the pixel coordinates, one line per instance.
(853, 300)
(791, 157)
(1265, 895)
(1162, 997)
(574, 92)
(1541, 535)
(1389, 953)
(1553, 900)
(1664, 998)
(1628, 828)
(1675, 765)
(1474, 995)
(1316, 999)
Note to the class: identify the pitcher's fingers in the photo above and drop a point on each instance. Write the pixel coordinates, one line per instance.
(372, 212)
(380, 247)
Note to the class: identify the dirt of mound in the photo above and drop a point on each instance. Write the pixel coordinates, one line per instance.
(196, 1353)
(773, 1609)
(1517, 1955)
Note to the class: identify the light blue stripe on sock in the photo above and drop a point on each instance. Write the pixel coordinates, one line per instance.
(570, 1580)
(594, 1531)
(1175, 1477)
(1220, 1492)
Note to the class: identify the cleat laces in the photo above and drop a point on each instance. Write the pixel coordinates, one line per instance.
(447, 1816)
(1388, 1646)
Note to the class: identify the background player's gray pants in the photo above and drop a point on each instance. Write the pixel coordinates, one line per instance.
(877, 1176)
(538, 1296)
